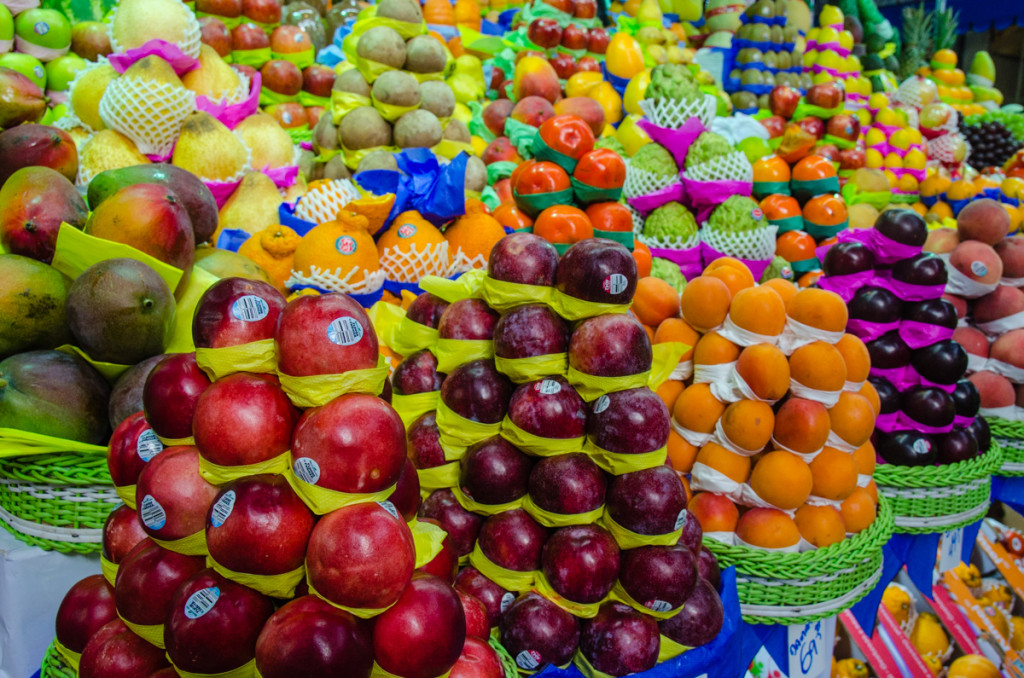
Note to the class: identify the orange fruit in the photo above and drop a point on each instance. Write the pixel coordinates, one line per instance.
(338, 247)
(782, 479)
(563, 224)
(778, 206)
(855, 356)
(642, 256)
(808, 279)
(729, 464)
(733, 272)
(765, 369)
(696, 409)
(771, 168)
(826, 210)
(650, 332)
(819, 366)
(473, 235)
(748, 424)
(654, 301)
(714, 512)
(676, 329)
(795, 246)
(785, 288)
(669, 391)
(820, 525)
(869, 392)
(759, 310)
(610, 216)
(802, 425)
(685, 482)
(853, 418)
(820, 309)
(511, 216)
(714, 349)
(812, 168)
(834, 473)
(858, 510)
(705, 302)
(872, 489)
(865, 458)
(416, 241)
(681, 454)
(767, 528)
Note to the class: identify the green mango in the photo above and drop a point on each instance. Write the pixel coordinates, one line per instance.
(32, 297)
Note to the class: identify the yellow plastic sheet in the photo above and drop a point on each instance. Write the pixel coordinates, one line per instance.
(275, 586)
(454, 352)
(627, 539)
(412, 407)
(502, 295)
(584, 610)
(473, 506)
(511, 580)
(428, 540)
(361, 612)
(465, 286)
(573, 309)
(110, 371)
(620, 464)
(458, 433)
(549, 519)
(108, 569)
(538, 445)
(72, 659)
(152, 634)
(127, 495)
(244, 671)
(257, 356)
(320, 389)
(522, 370)
(438, 477)
(591, 387)
(222, 475)
(321, 500)
(622, 595)
(670, 649)
(192, 545)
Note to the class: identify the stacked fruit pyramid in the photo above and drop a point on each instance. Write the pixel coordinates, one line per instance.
(541, 451)
(764, 55)
(896, 145)
(928, 431)
(829, 56)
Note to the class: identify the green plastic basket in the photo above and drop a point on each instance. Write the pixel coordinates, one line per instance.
(54, 665)
(1010, 436)
(928, 499)
(797, 588)
(54, 499)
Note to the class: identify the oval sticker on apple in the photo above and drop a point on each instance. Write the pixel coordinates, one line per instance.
(602, 404)
(148, 445)
(306, 470)
(528, 659)
(548, 387)
(41, 28)
(658, 605)
(152, 513)
(616, 283)
(201, 602)
(221, 510)
(344, 331)
(507, 600)
(389, 507)
(250, 308)
(681, 519)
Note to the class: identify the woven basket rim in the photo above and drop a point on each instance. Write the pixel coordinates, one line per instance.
(948, 475)
(54, 666)
(1014, 427)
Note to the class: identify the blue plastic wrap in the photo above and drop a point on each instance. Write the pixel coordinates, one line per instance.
(286, 216)
(231, 239)
(436, 191)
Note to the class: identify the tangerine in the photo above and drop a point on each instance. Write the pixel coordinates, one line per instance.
(858, 510)
(714, 512)
(809, 278)
(643, 258)
(834, 473)
(766, 371)
(785, 288)
(759, 310)
(820, 525)
(733, 466)
(473, 235)
(802, 425)
(782, 479)
(696, 409)
(714, 349)
(681, 454)
(853, 418)
(819, 366)
(748, 424)
(563, 224)
(705, 302)
(872, 490)
(342, 247)
(855, 357)
(655, 301)
(416, 238)
(820, 309)
(865, 458)
(676, 329)
(733, 272)
(767, 528)
(669, 391)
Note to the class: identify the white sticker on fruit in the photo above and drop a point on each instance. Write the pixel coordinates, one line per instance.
(548, 387)
(809, 648)
(681, 519)
(950, 549)
(153, 515)
(615, 283)
(346, 245)
(306, 470)
(406, 231)
(507, 600)
(528, 659)
(658, 605)
(922, 446)
(38, 72)
(344, 331)
(250, 308)
(222, 509)
(201, 602)
(148, 445)
(41, 28)
(602, 404)
(389, 507)
(978, 268)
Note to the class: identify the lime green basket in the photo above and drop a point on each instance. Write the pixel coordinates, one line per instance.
(55, 494)
(798, 588)
(928, 499)
(54, 665)
(1010, 437)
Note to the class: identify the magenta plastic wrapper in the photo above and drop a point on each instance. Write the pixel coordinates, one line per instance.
(885, 249)
(307, 145)
(960, 421)
(887, 422)
(222, 190)
(757, 266)
(897, 376)
(846, 285)
(907, 423)
(676, 141)
(714, 193)
(652, 201)
(233, 114)
(168, 51)
(869, 331)
(906, 291)
(915, 376)
(161, 158)
(688, 260)
(283, 177)
(918, 335)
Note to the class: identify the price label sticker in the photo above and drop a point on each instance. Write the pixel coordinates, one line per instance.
(809, 648)
(951, 545)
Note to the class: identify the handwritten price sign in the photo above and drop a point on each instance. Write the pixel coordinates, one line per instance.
(810, 648)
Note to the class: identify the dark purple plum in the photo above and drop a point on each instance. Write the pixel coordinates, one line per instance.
(477, 391)
(888, 351)
(659, 577)
(629, 422)
(966, 398)
(567, 484)
(928, 406)
(944, 362)
(876, 305)
(597, 269)
(427, 309)
(461, 525)
(549, 408)
(847, 258)
(513, 540)
(652, 501)
(699, 621)
(924, 269)
(707, 567)
(581, 562)
(530, 330)
(932, 312)
(906, 448)
(535, 632)
(495, 472)
(523, 258)
(406, 497)
(692, 534)
(957, 445)
(620, 640)
(888, 396)
(417, 374)
(904, 226)
(981, 433)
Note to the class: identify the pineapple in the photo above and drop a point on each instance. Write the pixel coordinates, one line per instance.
(946, 22)
(917, 40)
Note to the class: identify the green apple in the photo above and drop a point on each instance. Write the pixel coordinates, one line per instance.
(6, 29)
(46, 28)
(27, 65)
(62, 70)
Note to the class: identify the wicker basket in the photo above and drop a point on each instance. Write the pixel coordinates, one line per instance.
(797, 588)
(54, 665)
(928, 499)
(56, 500)
(1010, 437)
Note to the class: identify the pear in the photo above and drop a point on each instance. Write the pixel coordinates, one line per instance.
(136, 22)
(108, 150)
(270, 144)
(209, 150)
(213, 78)
(147, 104)
(84, 97)
(252, 207)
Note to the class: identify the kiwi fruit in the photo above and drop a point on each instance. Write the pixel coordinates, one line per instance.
(383, 45)
(476, 174)
(751, 76)
(335, 169)
(402, 10)
(424, 54)
(417, 129)
(364, 128)
(378, 160)
(743, 100)
(456, 130)
(353, 82)
(437, 97)
(396, 88)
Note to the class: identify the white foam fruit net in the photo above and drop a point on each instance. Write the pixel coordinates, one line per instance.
(638, 219)
(189, 42)
(408, 266)
(672, 113)
(461, 262)
(673, 243)
(325, 201)
(149, 114)
(641, 182)
(915, 91)
(334, 281)
(733, 166)
(943, 148)
(757, 244)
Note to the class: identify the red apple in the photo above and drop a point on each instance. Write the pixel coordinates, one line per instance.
(417, 374)
(500, 150)
(461, 525)
(513, 540)
(530, 330)
(844, 126)
(574, 36)
(708, 569)
(599, 270)
(122, 531)
(549, 408)
(585, 9)
(495, 472)
(478, 660)
(652, 501)
(567, 484)
(318, 80)
(426, 309)
(85, 609)
(216, 35)
(477, 623)
(248, 71)
(468, 319)
(170, 395)
(214, 623)
(699, 621)
(494, 598)
(775, 124)
(262, 11)
(504, 87)
(535, 632)
(236, 311)
(620, 640)
(325, 334)
(249, 36)
(147, 579)
(829, 151)
(495, 114)
(282, 77)
(523, 258)
(288, 39)
(852, 158)
(614, 345)
(564, 64)
(826, 95)
(360, 556)
(813, 126)
(313, 114)
(225, 8)
(446, 563)
(310, 638)
(544, 32)
(406, 497)
(115, 652)
(424, 442)
(132, 445)
(659, 577)
(477, 391)
(172, 496)
(422, 635)
(498, 76)
(589, 63)
(581, 562)
(597, 40)
(783, 100)
(633, 421)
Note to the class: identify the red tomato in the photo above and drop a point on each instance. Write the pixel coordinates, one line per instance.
(540, 177)
(563, 224)
(601, 168)
(568, 134)
(610, 216)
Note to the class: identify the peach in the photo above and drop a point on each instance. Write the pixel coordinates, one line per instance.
(1020, 395)
(536, 77)
(985, 220)
(532, 110)
(959, 303)
(500, 150)
(1003, 302)
(1009, 348)
(941, 240)
(802, 425)
(714, 512)
(583, 107)
(995, 390)
(977, 261)
(767, 528)
(973, 340)
(1011, 251)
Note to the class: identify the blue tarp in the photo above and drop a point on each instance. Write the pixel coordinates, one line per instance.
(974, 16)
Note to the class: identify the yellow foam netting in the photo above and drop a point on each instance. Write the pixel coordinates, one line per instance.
(320, 389)
(216, 474)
